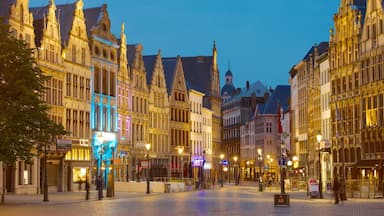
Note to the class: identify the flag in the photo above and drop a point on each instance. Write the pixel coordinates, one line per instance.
(279, 127)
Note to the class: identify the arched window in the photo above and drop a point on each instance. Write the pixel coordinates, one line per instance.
(97, 50)
(352, 154)
(346, 153)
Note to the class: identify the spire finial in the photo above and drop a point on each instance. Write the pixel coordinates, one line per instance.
(229, 64)
(122, 27)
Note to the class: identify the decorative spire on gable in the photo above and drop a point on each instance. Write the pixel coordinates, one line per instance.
(123, 61)
(214, 55)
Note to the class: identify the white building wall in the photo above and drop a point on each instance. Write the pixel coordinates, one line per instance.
(195, 103)
(295, 115)
(325, 86)
(207, 135)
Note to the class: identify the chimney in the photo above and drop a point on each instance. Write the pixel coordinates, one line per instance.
(247, 84)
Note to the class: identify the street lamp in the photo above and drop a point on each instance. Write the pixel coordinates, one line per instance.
(100, 139)
(180, 150)
(318, 137)
(260, 159)
(148, 147)
(235, 169)
(222, 167)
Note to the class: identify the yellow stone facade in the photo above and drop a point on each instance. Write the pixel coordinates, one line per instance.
(345, 88)
(91, 73)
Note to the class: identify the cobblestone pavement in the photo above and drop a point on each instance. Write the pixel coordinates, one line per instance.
(229, 200)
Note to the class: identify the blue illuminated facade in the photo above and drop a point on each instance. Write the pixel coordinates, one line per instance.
(104, 48)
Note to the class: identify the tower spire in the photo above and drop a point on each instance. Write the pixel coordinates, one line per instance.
(214, 55)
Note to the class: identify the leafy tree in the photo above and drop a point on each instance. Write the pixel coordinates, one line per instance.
(24, 123)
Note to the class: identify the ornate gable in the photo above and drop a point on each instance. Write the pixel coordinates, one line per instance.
(20, 20)
(20, 12)
(103, 27)
(179, 79)
(373, 29)
(78, 28)
(138, 63)
(123, 60)
(48, 36)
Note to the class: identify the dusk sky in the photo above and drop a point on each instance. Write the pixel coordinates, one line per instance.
(262, 40)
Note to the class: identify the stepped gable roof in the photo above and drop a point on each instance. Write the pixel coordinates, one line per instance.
(169, 65)
(280, 96)
(256, 88)
(149, 64)
(92, 17)
(65, 14)
(197, 72)
(39, 14)
(131, 53)
(5, 6)
(321, 48)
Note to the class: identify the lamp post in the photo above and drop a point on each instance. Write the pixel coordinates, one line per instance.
(318, 137)
(148, 147)
(202, 171)
(260, 159)
(180, 150)
(100, 139)
(235, 170)
(45, 174)
(221, 170)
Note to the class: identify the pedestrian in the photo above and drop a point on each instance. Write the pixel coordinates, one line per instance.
(336, 190)
(87, 187)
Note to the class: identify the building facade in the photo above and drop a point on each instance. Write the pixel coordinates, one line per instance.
(180, 117)
(113, 101)
(236, 112)
(269, 135)
(77, 99)
(122, 165)
(344, 70)
(104, 48)
(140, 109)
(370, 149)
(306, 110)
(325, 92)
(159, 126)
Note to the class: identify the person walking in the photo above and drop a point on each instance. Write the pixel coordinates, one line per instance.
(336, 190)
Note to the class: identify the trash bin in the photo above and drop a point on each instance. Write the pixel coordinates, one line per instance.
(167, 187)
